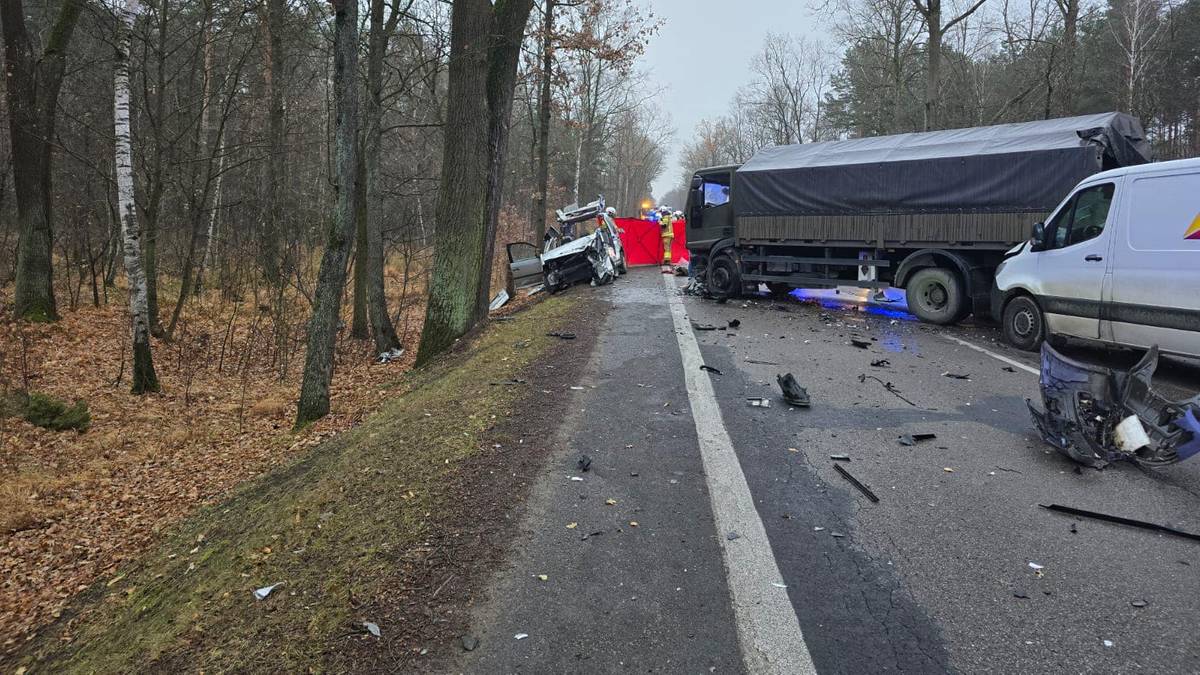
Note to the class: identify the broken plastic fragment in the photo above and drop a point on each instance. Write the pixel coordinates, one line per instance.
(1085, 405)
(390, 355)
(571, 526)
(372, 628)
(520, 636)
(793, 393)
(263, 592)
(610, 502)
(840, 458)
(957, 376)
(1036, 566)
(543, 577)
(499, 301)
(776, 584)
(709, 369)
(759, 402)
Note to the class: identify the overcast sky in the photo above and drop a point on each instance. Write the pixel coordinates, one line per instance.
(703, 55)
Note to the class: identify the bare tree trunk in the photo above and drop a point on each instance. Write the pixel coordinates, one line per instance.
(157, 180)
(322, 327)
(144, 378)
(931, 10)
(510, 17)
(543, 154)
(461, 212)
(382, 331)
(358, 322)
(271, 248)
(33, 83)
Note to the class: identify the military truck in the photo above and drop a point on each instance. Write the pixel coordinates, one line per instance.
(932, 213)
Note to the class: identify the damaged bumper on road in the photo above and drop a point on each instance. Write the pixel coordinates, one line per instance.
(1098, 415)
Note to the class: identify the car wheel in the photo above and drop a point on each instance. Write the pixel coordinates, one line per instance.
(936, 295)
(1024, 327)
(724, 280)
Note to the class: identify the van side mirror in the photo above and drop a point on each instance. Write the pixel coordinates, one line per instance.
(1037, 237)
(697, 182)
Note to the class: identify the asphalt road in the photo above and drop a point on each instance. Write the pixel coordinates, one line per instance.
(934, 577)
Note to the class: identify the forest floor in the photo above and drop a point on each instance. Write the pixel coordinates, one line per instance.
(390, 523)
(76, 507)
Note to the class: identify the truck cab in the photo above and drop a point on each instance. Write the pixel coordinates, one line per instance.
(709, 211)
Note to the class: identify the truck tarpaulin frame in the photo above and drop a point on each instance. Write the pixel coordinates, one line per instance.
(1084, 403)
(1022, 167)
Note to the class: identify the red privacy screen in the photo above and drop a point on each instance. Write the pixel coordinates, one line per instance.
(643, 243)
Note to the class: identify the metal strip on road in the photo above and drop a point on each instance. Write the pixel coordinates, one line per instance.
(994, 355)
(768, 630)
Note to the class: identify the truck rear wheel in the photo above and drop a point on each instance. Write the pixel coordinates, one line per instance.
(724, 280)
(936, 295)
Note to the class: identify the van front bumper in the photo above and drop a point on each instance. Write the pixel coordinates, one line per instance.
(997, 302)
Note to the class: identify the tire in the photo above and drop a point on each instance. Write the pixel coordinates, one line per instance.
(778, 289)
(1023, 323)
(936, 295)
(723, 279)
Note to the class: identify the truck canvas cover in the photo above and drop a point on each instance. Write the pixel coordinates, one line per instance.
(1023, 167)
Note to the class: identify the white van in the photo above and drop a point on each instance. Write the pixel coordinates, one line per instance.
(1118, 262)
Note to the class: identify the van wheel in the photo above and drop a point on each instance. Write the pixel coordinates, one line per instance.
(724, 280)
(1024, 327)
(936, 295)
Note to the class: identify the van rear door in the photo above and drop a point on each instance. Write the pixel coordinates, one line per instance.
(1156, 267)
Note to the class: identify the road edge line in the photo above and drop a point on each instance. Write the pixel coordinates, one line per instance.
(768, 629)
(994, 355)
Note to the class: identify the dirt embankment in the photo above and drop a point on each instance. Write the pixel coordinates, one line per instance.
(391, 523)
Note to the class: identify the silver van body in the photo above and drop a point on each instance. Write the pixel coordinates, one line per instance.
(1118, 262)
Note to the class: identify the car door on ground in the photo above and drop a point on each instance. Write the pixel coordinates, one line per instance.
(1074, 264)
(525, 264)
(1156, 267)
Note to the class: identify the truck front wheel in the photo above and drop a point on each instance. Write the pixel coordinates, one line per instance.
(936, 295)
(724, 280)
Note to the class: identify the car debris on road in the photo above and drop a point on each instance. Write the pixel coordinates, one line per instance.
(793, 393)
(913, 439)
(1084, 513)
(1098, 415)
(855, 482)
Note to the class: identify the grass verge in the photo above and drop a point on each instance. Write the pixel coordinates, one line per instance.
(330, 528)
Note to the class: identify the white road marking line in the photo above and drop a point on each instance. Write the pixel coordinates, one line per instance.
(768, 630)
(994, 355)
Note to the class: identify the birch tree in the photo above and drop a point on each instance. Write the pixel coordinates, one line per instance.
(144, 378)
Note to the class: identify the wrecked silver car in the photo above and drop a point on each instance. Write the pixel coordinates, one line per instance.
(585, 258)
(567, 259)
(1098, 415)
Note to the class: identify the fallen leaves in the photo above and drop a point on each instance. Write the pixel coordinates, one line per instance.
(74, 508)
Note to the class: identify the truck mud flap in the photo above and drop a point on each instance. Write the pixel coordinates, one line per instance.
(1098, 415)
